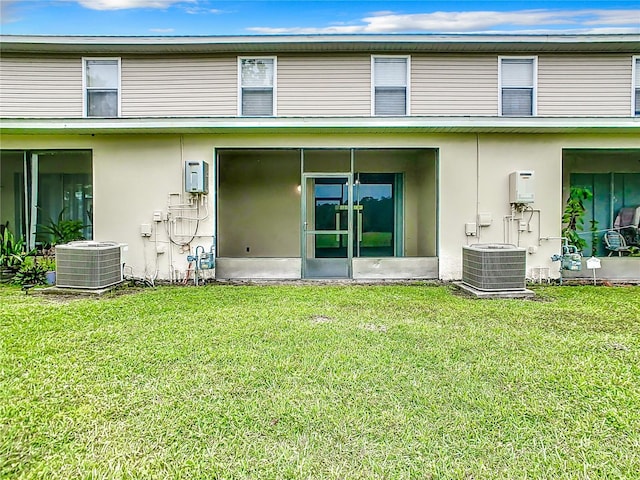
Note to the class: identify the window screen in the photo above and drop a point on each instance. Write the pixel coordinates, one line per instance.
(517, 87)
(102, 80)
(390, 86)
(257, 86)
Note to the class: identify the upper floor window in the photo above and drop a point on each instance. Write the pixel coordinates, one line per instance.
(518, 86)
(636, 85)
(257, 86)
(102, 87)
(390, 85)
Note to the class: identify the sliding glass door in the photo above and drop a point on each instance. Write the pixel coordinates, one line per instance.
(41, 188)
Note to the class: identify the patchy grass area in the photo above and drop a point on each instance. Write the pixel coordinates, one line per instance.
(321, 382)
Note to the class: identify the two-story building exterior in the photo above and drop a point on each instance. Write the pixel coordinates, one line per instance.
(286, 157)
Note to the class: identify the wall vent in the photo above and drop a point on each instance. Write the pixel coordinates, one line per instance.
(494, 266)
(88, 264)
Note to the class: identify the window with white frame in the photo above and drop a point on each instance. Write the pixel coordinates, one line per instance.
(102, 87)
(390, 85)
(636, 85)
(518, 86)
(257, 86)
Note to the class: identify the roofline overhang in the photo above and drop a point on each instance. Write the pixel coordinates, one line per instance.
(284, 125)
(478, 43)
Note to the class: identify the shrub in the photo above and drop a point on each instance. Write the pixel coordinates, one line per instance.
(31, 273)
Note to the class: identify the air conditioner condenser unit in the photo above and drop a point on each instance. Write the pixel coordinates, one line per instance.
(494, 266)
(88, 264)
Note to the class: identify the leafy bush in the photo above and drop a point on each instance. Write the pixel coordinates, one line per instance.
(12, 250)
(31, 273)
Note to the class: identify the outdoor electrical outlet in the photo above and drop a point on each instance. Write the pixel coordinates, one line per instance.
(145, 230)
(522, 226)
(157, 216)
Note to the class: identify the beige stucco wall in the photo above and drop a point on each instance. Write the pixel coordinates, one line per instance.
(133, 175)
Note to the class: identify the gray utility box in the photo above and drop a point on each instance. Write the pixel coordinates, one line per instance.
(88, 264)
(196, 176)
(494, 266)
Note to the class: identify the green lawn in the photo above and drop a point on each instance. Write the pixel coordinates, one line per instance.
(321, 382)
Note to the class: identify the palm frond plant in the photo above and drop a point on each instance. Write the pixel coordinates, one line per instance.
(63, 230)
(12, 253)
(12, 250)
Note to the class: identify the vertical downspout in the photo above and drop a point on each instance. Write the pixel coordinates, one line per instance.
(477, 185)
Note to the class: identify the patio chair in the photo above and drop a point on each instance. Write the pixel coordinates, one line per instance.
(614, 242)
(627, 222)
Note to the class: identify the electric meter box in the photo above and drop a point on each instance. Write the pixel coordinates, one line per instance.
(196, 176)
(521, 187)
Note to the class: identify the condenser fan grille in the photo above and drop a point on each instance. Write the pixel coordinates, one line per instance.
(494, 267)
(88, 264)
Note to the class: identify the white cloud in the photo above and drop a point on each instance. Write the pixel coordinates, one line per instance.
(543, 21)
(189, 6)
(195, 10)
(162, 30)
(129, 4)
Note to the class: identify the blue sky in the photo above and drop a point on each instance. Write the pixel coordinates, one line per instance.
(237, 17)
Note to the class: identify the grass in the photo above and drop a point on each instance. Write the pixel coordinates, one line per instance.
(321, 382)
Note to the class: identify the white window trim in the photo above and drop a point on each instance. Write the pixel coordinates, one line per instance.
(534, 100)
(407, 106)
(634, 59)
(275, 82)
(85, 114)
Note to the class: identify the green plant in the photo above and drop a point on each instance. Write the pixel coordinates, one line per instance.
(12, 250)
(573, 216)
(48, 262)
(31, 272)
(63, 231)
